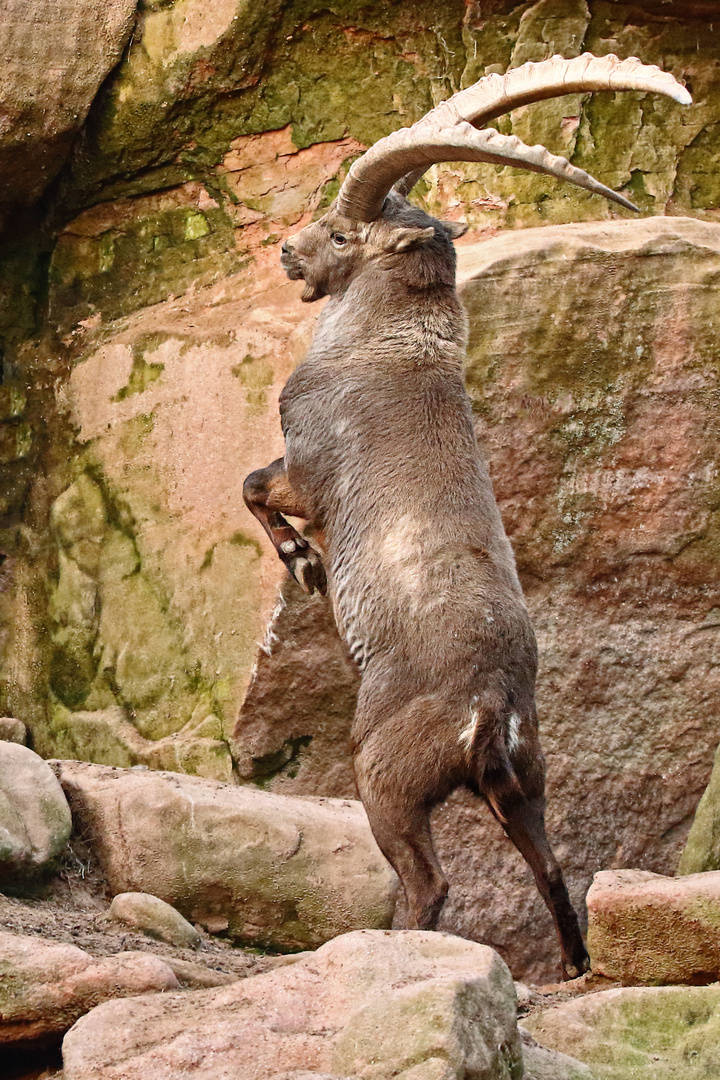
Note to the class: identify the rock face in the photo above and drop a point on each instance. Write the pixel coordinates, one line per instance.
(370, 1005)
(155, 918)
(35, 819)
(146, 386)
(638, 1033)
(645, 929)
(269, 870)
(45, 987)
(55, 55)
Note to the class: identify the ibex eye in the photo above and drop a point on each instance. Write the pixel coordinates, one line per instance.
(338, 238)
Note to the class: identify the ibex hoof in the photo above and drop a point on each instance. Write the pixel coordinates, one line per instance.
(309, 572)
(575, 970)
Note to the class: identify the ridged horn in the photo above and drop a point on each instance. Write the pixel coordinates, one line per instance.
(370, 178)
(383, 166)
(496, 95)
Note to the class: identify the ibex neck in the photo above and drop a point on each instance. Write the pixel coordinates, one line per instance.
(380, 317)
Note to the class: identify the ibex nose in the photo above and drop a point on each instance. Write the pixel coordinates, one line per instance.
(286, 249)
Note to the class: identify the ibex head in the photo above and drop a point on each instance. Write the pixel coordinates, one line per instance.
(371, 220)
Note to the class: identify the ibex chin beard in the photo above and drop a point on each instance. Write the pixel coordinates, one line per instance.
(382, 461)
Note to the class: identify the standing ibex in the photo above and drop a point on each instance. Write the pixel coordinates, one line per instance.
(381, 461)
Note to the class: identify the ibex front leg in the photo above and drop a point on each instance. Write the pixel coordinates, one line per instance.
(268, 495)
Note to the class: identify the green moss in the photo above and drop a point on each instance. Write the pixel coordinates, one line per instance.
(702, 851)
(257, 376)
(13, 400)
(172, 108)
(698, 172)
(139, 262)
(15, 441)
(239, 539)
(662, 1034)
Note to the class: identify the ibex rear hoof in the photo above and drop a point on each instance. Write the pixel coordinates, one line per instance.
(574, 969)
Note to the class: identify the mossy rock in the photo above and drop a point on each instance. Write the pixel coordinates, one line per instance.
(638, 1033)
(702, 851)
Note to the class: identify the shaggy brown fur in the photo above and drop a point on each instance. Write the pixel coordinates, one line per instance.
(382, 461)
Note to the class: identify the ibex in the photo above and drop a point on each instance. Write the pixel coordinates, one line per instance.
(382, 462)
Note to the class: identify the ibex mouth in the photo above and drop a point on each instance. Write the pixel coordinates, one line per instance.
(291, 266)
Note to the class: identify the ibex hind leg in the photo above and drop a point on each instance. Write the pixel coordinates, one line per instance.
(523, 819)
(395, 793)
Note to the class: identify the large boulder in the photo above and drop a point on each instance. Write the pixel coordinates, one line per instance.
(56, 54)
(637, 1033)
(645, 929)
(35, 821)
(370, 1005)
(12, 730)
(267, 869)
(46, 986)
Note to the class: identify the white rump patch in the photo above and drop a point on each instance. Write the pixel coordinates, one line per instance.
(467, 734)
(513, 739)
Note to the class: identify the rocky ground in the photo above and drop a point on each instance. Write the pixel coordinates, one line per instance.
(98, 951)
(73, 909)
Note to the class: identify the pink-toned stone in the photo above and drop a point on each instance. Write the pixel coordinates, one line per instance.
(648, 929)
(269, 870)
(45, 986)
(373, 1005)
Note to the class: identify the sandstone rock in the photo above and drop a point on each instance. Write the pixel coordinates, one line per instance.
(45, 987)
(193, 976)
(275, 871)
(702, 851)
(294, 722)
(35, 820)
(12, 730)
(648, 929)
(637, 1033)
(543, 1064)
(56, 55)
(154, 917)
(370, 1004)
(614, 535)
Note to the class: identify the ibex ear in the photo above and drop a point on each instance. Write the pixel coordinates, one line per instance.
(456, 228)
(404, 239)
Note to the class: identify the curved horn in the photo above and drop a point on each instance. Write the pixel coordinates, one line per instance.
(370, 178)
(496, 95)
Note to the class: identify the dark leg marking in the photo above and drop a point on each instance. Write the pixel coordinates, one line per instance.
(524, 822)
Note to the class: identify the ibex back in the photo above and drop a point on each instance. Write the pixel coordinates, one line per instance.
(404, 533)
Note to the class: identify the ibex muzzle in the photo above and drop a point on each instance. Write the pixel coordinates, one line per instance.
(382, 462)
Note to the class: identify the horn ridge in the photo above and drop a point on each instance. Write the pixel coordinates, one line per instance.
(371, 176)
(496, 95)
